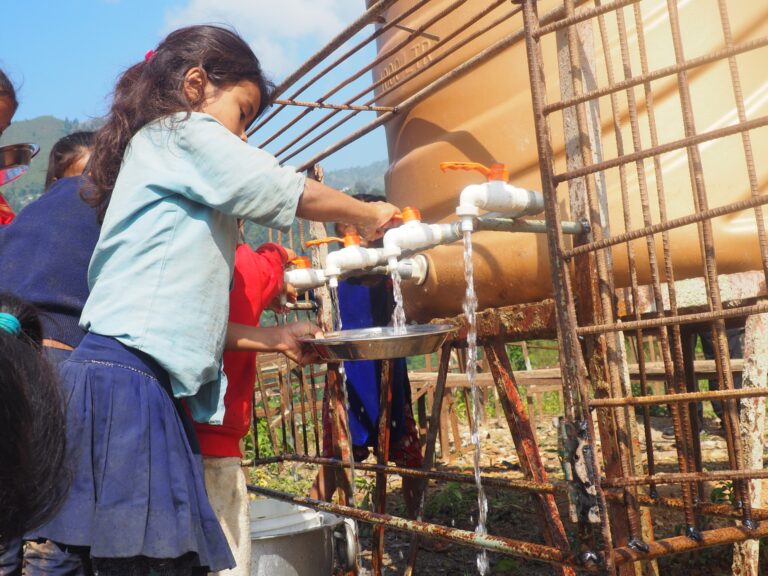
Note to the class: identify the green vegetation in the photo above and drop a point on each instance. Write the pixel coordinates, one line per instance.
(43, 131)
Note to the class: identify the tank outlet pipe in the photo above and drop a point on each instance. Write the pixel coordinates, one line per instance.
(415, 269)
(495, 195)
(414, 235)
(351, 257)
(496, 222)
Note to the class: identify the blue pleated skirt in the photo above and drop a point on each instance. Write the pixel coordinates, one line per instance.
(137, 487)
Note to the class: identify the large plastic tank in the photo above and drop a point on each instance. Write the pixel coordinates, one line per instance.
(486, 116)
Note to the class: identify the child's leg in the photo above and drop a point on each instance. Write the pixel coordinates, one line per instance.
(228, 494)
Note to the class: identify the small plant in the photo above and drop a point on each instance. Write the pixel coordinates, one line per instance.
(723, 493)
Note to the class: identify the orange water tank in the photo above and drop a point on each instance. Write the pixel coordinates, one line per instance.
(486, 116)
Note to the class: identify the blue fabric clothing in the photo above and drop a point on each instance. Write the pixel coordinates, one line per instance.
(161, 270)
(44, 256)
(364, 306)
(137, 488)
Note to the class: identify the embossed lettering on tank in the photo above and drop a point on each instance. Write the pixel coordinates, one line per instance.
(412, 56)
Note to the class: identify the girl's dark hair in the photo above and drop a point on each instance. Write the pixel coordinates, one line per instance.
(7, 90)
(33, 479)
(66, 152)
(154, 88)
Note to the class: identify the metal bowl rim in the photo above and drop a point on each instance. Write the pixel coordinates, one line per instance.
(435, 330)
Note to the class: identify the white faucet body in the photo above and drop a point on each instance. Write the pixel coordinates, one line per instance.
(416, 235)
(304, 279)
(497, 196)
(351, 258)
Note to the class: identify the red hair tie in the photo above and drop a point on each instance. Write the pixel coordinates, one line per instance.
(148, 55)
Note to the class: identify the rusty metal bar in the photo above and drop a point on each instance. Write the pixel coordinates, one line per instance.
(746, 140)
(459, 477)
(371, 15)
(379, 58)
(683, 477)
(652, 400)
(498, 544)
(525, 443)
(706, 236)
(382, 457)
(666, 225)
(682, 544)
(575, 390)
(686, 142)
(429, 448)
(327, 106)
(351, 51)
(384, 79)
(582, 16)
(704, 508)
(722, 314)
(427, 91)
(612, 88)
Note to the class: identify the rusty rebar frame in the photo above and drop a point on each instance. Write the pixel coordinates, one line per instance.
(666, 321)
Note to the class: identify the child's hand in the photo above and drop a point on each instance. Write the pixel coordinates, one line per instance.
(378, 216)
(292, 347)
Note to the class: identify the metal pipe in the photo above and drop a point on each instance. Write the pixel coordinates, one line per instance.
(498, 224)
(681, 397)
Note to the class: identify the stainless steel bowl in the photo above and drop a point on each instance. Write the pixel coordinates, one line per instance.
(14, 161)
(379, 343)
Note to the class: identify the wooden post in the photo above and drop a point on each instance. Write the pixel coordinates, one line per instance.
(752, 430)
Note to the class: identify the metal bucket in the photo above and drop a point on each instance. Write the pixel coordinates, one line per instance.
(291, 540)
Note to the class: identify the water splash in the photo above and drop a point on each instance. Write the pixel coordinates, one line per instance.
(337, 325)
(398, 316)
(470, 312)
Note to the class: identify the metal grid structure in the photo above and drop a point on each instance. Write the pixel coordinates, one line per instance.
(586, 315)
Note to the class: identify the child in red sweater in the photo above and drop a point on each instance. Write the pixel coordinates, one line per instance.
(258, 279)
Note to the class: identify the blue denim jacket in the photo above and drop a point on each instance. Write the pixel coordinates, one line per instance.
(161, 270)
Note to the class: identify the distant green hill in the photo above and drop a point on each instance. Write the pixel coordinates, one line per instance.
(43, 131)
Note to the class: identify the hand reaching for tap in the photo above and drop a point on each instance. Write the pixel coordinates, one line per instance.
(324, 204)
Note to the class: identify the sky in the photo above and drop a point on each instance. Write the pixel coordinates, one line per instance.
(64, 55)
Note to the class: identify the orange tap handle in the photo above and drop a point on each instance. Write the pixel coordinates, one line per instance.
(495, 172)
(320, 241)
(348, 240)
(301, 262)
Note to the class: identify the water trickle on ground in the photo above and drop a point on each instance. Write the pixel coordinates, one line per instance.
(338, 326)
(470, 312)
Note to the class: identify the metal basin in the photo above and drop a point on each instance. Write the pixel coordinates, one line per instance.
(14, 161)
(380, 343)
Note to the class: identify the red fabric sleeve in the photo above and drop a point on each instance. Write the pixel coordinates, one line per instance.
(258, 279)
(6, 212)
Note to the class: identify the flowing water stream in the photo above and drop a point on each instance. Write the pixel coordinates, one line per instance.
(337, 325)
(398, 315)
(470, 312)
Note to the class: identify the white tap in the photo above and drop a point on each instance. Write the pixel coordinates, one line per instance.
(303, 277)
(496, 195)
(351, 257)
(415, 235)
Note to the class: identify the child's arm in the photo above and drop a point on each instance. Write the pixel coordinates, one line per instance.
(325, 204)
(283, 339)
